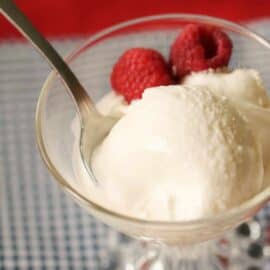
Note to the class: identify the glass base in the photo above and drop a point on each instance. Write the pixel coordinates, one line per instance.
(245, 248)
(148, 256)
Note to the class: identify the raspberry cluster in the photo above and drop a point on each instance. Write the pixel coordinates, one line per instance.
(198, 47)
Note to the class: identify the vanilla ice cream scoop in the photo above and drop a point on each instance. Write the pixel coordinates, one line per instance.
(244, 87)
(239, 84)
(179, 153)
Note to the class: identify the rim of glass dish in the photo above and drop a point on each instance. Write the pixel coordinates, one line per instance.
(259, 199)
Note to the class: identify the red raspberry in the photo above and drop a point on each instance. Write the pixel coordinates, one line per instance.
(200, 47)
(138, 69)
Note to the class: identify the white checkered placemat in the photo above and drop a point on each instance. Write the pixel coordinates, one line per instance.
(41, 228)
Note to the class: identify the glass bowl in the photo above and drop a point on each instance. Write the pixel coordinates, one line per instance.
(92, 63)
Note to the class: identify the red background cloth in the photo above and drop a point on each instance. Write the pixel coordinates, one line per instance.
(78, 17)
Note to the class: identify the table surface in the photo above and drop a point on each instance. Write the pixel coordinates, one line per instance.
(42, 228)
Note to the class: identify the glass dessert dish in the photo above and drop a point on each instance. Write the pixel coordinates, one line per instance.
(169, 245)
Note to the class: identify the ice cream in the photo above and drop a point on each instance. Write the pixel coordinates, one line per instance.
(183, 152)
(113, 105)
(238, 85)
(179, 153)
(245, 88)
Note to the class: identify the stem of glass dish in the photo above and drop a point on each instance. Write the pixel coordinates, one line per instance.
(139, 255)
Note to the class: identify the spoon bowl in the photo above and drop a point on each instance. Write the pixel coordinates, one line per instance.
(101, 126)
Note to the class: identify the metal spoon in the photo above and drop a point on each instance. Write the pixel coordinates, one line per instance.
(94, 126)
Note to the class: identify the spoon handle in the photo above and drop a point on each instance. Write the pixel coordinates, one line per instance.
(21, 22)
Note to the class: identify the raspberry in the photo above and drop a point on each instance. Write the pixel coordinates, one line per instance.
(200, 47)
(138, 69)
